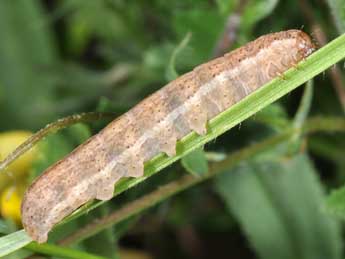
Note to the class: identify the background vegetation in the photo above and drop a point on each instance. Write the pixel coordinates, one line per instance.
(274, 190)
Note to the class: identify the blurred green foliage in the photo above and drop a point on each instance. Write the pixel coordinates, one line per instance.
(195, 162)
(27, 51)
(64, 57)
(277, 203)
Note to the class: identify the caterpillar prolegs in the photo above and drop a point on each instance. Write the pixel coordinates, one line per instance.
(154, 125)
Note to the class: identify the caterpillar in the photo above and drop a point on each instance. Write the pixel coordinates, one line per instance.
(154, 125)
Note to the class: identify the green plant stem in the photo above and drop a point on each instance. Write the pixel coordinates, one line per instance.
(174, 187)
(171, 72)
(53, 250)
(304, 107)
(51, 128)
(302, 112)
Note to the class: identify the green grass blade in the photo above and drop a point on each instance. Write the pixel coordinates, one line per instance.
(304, 107)
(59, 251)
(278, 205)
(13, 242)
(19, 239)
(335, 203)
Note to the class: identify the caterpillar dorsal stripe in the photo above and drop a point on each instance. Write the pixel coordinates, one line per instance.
(154, 125)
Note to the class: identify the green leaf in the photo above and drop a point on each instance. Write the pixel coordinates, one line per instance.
(205, 24)
(19, 254)
(335, 204)
(256, 10)
(13, 242)
(195, 162)
(58, 251)
(278, 205)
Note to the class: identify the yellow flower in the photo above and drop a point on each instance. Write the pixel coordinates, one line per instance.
(20, 167)
(10, 201)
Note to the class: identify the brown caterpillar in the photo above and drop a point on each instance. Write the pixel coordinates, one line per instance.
(154, 126)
